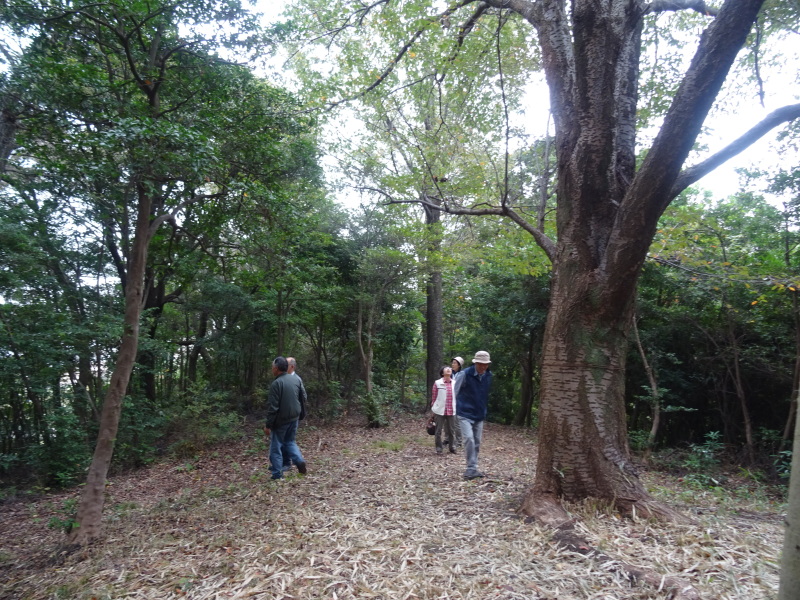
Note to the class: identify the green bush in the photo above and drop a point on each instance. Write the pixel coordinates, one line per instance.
(332, 404)
(141, 425)
(375, 405)
(206, 419)
(63, 460)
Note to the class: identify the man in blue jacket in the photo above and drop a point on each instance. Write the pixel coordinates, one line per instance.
(472, 402)
(284, 404)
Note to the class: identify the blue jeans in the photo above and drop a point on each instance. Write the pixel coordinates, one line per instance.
(471, 432)
(282, 444)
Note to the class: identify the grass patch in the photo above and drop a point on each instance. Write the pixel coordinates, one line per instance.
(392, 446)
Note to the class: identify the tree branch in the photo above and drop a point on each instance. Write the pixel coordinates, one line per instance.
(676, 5)
(156, 223)
(542, 240)
(401, 53)
(692, 174)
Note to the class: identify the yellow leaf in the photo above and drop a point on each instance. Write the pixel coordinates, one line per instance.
(754, 302)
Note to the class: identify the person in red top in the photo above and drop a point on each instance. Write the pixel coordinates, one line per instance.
(443, 405)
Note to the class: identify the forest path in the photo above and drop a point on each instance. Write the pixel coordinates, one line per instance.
(379, 515)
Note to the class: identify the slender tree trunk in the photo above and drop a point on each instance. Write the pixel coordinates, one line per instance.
(281, 314)
(365, 345)
(434, 312)
(787, 432)
(655, 394)
(736, 375)
(255, 365)
(434, 328)
(790, 560)
(523, 416)
(8, 136)
(33, 397)
(90, 509)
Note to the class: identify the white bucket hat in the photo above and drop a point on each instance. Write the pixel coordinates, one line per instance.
(459, 359)
(481, 356)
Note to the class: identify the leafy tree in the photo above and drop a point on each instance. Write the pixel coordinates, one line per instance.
(140, 123)
(730, 289)
(385, 265)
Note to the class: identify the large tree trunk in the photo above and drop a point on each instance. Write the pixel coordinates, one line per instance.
(606, 218)
(582, 412)
(90, 509)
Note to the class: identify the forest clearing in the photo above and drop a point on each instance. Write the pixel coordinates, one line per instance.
(195, 194)
(380, 515)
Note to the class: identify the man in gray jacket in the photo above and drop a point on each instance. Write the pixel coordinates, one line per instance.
(285, 401)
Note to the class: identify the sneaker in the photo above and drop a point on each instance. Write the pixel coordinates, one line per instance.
(277, 476)
(469, 475)
(301, 466)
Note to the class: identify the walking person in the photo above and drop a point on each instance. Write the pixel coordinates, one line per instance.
(472, 403)
(443, 405)
(284, 405)
(457, 363)
(292, 370)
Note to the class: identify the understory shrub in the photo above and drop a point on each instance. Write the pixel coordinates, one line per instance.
(205, 419)
(64, 458)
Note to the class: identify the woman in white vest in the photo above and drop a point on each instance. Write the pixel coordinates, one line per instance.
(443, 405)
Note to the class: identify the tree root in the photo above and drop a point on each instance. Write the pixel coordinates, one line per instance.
(679, 589)
(548, 511)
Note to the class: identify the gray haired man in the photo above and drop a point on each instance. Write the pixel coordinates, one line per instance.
(472, 403)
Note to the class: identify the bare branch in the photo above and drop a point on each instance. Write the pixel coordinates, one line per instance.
(676, 5)
(688, 176)
(156, 223)
(401, 53)
(463, 31)
(756, 62)
(542, 240)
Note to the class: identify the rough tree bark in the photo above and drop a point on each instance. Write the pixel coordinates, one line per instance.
(8, 130)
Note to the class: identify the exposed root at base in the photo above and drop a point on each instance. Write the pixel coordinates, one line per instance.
(548, 511)
(566, 537)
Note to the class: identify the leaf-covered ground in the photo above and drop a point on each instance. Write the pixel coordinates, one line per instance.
(381, 516)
